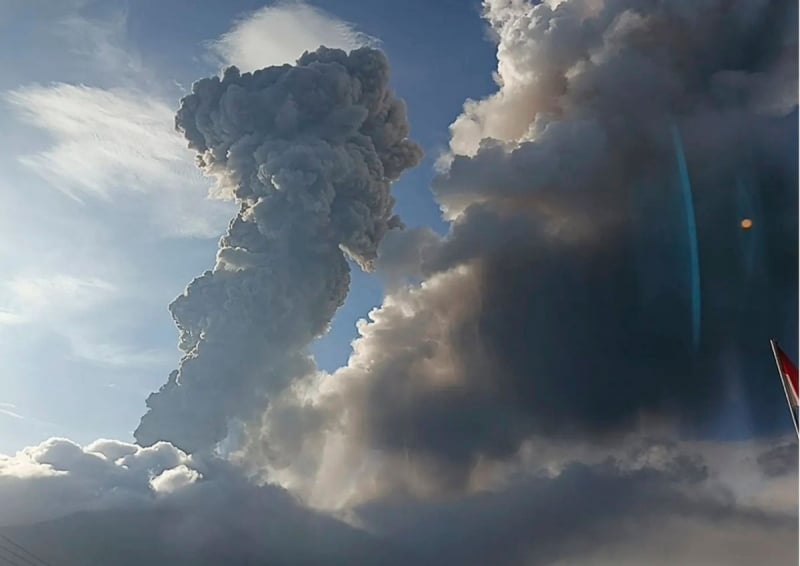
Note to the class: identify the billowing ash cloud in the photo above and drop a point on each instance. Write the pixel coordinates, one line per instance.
(586, 294)
(562, 302)
(309, 152)
(113, 502)
(616, 510)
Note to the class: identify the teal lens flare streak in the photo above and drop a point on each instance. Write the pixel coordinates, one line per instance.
(691, 225)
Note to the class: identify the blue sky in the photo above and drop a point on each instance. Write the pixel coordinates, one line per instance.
(104, 216)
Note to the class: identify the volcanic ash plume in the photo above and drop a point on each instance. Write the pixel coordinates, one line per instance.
(564, 304)
(308, 152)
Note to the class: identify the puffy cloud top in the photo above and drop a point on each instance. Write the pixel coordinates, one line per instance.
(58, 477)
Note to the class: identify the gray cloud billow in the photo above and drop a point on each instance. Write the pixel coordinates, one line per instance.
(560, 303)
(573, 517)
(620, 507)
(309, 152)
(779, 460)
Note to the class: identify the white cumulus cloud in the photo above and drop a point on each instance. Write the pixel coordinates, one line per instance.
(174, 479)
(59, 477)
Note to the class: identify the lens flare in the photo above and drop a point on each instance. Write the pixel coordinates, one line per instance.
(694, 256)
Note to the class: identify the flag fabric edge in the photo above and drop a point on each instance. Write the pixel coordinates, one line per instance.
(789, 391)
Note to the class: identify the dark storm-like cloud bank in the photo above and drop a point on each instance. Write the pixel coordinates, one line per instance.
(562, 302)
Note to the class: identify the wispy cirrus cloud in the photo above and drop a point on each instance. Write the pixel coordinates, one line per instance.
(119, 355)
(104, 139)
(6, 409)
(34, 298)
(61, 303)
(9, 318)
(11, 411)
(280, 33)
(103, 43)
(115, 142)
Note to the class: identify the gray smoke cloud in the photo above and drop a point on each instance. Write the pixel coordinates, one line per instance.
(309, 152)
(611, 512)
(621, 509)
(560, 304)
(779, 460)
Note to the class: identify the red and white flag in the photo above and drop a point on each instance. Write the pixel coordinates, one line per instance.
(788, 373)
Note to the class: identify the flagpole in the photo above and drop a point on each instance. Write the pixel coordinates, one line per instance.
(774, 344)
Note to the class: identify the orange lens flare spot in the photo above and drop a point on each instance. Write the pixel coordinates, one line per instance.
(747, 224)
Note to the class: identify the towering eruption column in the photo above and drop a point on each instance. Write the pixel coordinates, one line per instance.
(308, 152)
